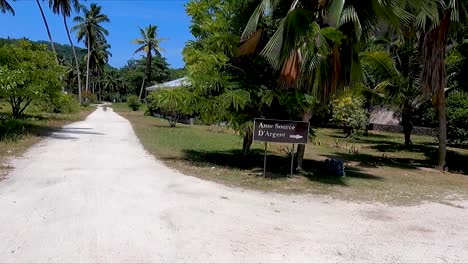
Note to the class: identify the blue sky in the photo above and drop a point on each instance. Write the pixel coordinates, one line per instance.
(125, 15)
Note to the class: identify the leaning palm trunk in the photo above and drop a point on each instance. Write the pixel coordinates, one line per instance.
(148, 72)
(52, 45)
(433, 54)
(142, 87)
(88, 62)
(77, 64)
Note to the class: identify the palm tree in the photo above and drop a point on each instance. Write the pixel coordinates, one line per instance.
(99, 57)
(64, 7)
(112, 82)
(149, 43)
(317, 43)
(90, 30)
(52, 45)
(395, 72)
(434, 41)
(6, 7)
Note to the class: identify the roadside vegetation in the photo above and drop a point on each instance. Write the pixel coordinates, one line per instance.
(379, 167)
(330, 63)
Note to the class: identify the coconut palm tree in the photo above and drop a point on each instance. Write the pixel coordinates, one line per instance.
(52, 45)
(99, 57)
(64, 7)
(90, 30)
(317, 43)
(436, 26)
(395, 71)
(149, 43)
(5, 7)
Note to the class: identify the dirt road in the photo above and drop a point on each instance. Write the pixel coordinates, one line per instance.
(90, 193)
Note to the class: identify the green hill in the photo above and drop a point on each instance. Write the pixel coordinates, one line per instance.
(63, 50)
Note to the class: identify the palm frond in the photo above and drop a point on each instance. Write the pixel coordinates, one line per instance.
(349, 15)
(334, 12)
(6, 7)
(250, 46)
(381, 65)
(288, 37)
(264, 7)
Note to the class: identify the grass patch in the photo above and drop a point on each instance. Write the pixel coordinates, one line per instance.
(379, 167)
(17, 135)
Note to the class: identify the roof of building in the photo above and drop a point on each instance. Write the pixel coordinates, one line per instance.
(383, 116)
(170, 85)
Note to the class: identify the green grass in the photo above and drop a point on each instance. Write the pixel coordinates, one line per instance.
(123, 107)
(379, 167)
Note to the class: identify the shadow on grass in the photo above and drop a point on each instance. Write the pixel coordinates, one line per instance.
(278, 167)
(371, 137)
(455, 160)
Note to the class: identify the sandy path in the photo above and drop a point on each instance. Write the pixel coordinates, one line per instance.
(91, 193)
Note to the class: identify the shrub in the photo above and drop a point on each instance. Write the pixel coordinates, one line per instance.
(457, 118)
(11, 129)
(133, 103)
(88, 98)
(350, 113)
(174, 104)
(63, 104)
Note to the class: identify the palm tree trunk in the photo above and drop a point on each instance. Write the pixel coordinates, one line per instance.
(88, 62)
(442, 118)
(434, 76)
(142, 87)
(301, 147)
(76, 58)
(148, 71)
(407, 123)
(52, 45)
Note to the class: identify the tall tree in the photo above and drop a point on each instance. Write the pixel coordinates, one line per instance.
(436, 27)
(230, 87)
(99, 57)
(90, 30)
(394, 72)
(316, 44)
(149, 43)
(52, 45)
(64, 7)
(5, 7)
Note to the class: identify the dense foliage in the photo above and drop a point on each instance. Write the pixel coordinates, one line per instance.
(133, 102)
(349, 112)
(457, 113)
(64, 51)
(172, 104)
(28, 72)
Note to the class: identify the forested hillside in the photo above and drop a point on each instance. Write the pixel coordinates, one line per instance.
(63, 50)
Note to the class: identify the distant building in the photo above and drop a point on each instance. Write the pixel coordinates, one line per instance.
(169, 85)
(383, 116)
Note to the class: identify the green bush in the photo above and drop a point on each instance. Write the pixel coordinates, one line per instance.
(133, 103)
(349, 112)
(11, 129)
(63, 104)
(457, 118)
(174, 104)
(88, 98)
(152, 107)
